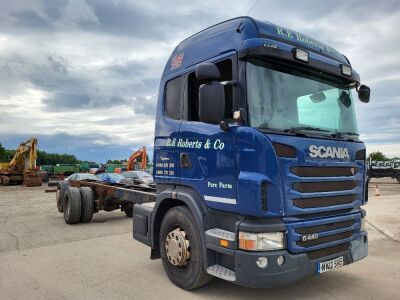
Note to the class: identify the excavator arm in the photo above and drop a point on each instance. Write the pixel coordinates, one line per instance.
(134, 156)
(25, 156)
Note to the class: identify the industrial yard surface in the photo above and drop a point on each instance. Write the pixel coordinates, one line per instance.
(42, 257)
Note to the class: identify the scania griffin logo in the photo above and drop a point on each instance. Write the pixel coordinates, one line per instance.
(331, 152)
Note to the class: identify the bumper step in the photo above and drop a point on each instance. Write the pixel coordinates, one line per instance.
(222, 272)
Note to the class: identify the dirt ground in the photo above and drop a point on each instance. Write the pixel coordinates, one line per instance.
(42, 257)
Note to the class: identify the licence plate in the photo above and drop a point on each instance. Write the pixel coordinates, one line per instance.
(330, 265)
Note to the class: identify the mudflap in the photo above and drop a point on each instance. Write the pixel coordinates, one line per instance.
(142, 223)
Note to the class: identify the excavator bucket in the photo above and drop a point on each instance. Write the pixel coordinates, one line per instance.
(32, 179)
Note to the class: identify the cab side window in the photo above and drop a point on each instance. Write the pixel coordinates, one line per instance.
(173, 98)
(225, 67)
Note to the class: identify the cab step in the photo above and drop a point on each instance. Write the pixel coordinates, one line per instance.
(222, 272)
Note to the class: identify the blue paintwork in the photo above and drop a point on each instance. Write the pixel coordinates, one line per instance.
(248, 157)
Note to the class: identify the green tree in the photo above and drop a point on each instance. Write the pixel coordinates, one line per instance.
(116, 161)
(3, 157)
(378, 156)
(45, 158)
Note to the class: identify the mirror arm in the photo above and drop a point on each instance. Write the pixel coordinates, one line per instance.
(224, 125)
(230, 82)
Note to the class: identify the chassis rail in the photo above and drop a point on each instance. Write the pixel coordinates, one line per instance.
(135, 194)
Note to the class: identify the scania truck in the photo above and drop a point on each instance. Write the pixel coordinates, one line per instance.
(260, 173)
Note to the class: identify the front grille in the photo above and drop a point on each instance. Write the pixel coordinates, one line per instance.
(323, 171)
(324, 186)
(324, 214)
(264, 187)
(325, 227)
(317, 254)
(316, 234)
(324, 201)
(326, 239)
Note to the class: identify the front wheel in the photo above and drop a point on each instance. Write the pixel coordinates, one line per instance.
(181, 251)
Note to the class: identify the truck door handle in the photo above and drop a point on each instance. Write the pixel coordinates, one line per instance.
(185, 160)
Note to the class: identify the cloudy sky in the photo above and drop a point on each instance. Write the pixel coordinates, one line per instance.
(83, 75)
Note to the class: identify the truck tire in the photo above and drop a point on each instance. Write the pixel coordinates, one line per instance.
(61, 189)
(129, 212)
(87, 204)
(398, 178)
(72, 205)
(181, 249)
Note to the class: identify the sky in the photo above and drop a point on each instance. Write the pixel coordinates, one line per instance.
(83, 75)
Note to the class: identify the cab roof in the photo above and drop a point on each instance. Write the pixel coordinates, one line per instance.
(238, 34)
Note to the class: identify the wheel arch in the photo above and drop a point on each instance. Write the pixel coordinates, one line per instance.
(172, 197)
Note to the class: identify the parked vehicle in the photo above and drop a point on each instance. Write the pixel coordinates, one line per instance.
(66, 169)
(82, 176)
(142, 154)
(22, 167)
(110, 177)
(382, 169)
(260, 173)
(137, 177)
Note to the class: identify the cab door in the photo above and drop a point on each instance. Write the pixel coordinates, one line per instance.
(207, 154)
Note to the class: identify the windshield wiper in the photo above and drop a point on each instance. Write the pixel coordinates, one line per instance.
(299, 128)
(341, 134)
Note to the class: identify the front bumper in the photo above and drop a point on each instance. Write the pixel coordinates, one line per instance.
(295, 267)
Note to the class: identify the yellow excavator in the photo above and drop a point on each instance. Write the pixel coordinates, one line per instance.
(22, 168)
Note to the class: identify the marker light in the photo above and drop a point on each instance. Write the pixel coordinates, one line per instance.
(300, 54)
(261, 241)
(224, 243)
(346, 70)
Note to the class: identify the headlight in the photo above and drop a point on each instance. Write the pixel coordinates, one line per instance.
(362, 224)
(261, 241)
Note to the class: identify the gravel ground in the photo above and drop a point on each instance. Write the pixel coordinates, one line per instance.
(42, 257)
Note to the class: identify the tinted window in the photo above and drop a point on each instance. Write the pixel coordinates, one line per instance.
(173, 95)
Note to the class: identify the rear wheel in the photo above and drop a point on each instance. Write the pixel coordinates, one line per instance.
(129, 212)
(61, 189)
(87, 204)
(72, 205)
(181, 251)
(398, 178)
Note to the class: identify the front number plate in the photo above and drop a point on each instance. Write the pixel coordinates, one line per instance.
(330, 264)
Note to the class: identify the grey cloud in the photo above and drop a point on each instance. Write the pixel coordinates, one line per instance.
(30, 19)
(48, 42)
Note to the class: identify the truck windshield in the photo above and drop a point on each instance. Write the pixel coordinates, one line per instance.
(283, 99)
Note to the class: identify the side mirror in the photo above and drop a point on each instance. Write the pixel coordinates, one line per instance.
(364, 93)
(211, 103)
(207, 72)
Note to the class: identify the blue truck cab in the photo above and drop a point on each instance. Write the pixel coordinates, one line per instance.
(260, 171)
